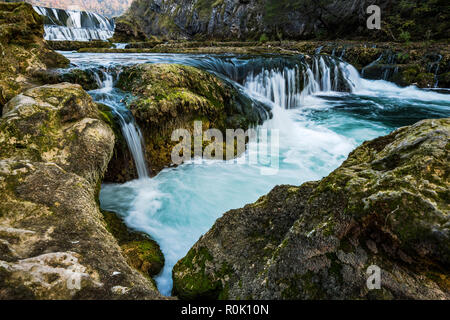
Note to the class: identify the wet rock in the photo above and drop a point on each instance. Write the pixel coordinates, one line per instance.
(23, 50)
(169, 97)
(387, 205)
(54, 240)
(142, 253)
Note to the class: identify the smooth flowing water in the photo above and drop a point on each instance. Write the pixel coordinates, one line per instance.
(112, 97)
(74, 25)
(317, 125)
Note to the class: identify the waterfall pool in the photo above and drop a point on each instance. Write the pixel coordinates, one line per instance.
(318, 127)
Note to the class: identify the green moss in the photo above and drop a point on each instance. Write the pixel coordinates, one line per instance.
(145, 256)
(305, 286)
(142, 253)
(116, 226)
(190, 280)
(260, 203)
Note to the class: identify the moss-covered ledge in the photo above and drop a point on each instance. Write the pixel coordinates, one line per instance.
(143, 253)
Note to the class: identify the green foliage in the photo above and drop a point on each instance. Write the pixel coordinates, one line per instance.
(404, 36)
(263, 38)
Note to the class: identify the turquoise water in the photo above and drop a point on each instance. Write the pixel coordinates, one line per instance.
(316, 133)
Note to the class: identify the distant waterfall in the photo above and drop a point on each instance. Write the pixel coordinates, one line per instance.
(287, 86)
(75, 25)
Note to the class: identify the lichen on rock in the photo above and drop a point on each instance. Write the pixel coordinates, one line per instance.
(24, 53)
(171, 96)
(386, 205)
(54, 243)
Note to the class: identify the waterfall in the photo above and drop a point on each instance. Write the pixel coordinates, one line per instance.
(111, 97)
(287, 87)
(433, 67)
(75, 25)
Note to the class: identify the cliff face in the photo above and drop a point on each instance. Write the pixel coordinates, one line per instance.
(387, 205)
(286, 19)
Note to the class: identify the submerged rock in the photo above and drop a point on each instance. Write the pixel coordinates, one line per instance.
(387, 205)
(169, 97)
(24, 53)
(54, 243)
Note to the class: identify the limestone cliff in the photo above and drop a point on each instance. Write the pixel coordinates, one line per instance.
(287, 19)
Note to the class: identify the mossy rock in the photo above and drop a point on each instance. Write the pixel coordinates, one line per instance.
(142, 253)
(24, 51)
(145, 256)
(197, 285)
(444, 80)
(166, 97)
(55, 149)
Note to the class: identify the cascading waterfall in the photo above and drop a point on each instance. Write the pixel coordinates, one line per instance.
(433, 67)
(73, 25)
(111, 97)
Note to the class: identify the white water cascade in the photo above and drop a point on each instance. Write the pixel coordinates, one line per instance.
(288, 87)
(108, 95)
(73, 25)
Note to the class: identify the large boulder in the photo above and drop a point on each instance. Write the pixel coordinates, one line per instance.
(387, 205)
(24, 53)
(171, 96)
(54, 242)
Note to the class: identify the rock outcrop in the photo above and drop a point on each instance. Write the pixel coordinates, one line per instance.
(288, 19)
(170, 96)
(142, 253)
(54, 242)
(24, 53)
(387, 205)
